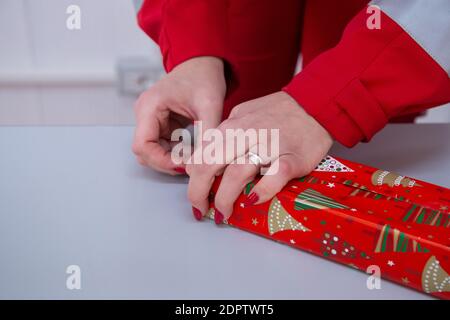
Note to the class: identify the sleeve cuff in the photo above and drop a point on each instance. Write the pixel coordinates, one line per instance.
(342, 116)
(184, 36)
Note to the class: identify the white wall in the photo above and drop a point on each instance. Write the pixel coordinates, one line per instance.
(35, 44)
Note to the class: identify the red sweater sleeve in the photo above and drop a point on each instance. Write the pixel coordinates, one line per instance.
(370, 77)
(182, 35)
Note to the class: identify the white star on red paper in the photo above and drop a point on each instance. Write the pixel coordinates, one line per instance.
(391, 263)
(330, 185)
(254, 221)
(292, 241)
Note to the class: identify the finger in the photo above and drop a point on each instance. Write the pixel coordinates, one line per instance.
(202, 169)
(282, 170)
(209, 119)
(147, 141)
(198, 192)
(159, 159)
(174, 123)
(235, 178)
(180, 120)
(169, 145)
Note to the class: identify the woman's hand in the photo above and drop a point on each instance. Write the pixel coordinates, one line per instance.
(303, 142)
(194, 90)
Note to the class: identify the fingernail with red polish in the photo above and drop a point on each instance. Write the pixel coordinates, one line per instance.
(218, 217)
(252, 198)
(197, 214)
(180, 170)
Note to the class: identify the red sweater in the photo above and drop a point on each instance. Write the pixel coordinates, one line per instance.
(353, 81)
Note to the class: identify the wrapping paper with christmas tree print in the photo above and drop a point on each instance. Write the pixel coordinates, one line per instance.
(360, 216)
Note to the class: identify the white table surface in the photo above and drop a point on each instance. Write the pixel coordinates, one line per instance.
(76, 196)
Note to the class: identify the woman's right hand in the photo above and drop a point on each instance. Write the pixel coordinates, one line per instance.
(193, 91)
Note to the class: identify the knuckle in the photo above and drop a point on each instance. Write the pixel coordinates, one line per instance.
(210, 101)
(234, 173)
(138, 148)
(189, 169)
(203, 170)
(239, 110)
(198, 171)
(284, 168)
(220, 202)
(149, 97)
(235, 111)
(263, 188)
(140, 102)
(228, 124)
(193, 170)
(194, 197)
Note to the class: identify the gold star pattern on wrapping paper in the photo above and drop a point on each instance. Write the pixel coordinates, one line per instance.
(281, 220)
(434, 277)
(210, 214)
(405, 280)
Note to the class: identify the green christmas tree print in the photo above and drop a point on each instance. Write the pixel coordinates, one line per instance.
(313, 200)
(393, 240)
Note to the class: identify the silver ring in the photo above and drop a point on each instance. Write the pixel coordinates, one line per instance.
(255, 159)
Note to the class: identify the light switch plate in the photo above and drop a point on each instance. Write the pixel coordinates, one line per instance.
(136, 74)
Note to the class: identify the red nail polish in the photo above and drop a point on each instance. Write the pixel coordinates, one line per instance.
(180, 170)
(218, 217)
(252, 198)
(197, 214)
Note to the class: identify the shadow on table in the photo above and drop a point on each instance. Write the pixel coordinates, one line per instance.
(139, 172)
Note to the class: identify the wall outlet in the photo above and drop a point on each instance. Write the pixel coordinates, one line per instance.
(136, 74)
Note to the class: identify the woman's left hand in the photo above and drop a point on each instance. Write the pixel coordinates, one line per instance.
(303, 142)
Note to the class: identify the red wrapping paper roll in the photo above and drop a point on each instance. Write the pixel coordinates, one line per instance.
(360, 216)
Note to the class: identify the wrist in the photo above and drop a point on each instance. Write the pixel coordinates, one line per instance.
(205, 63)
(323, 131)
